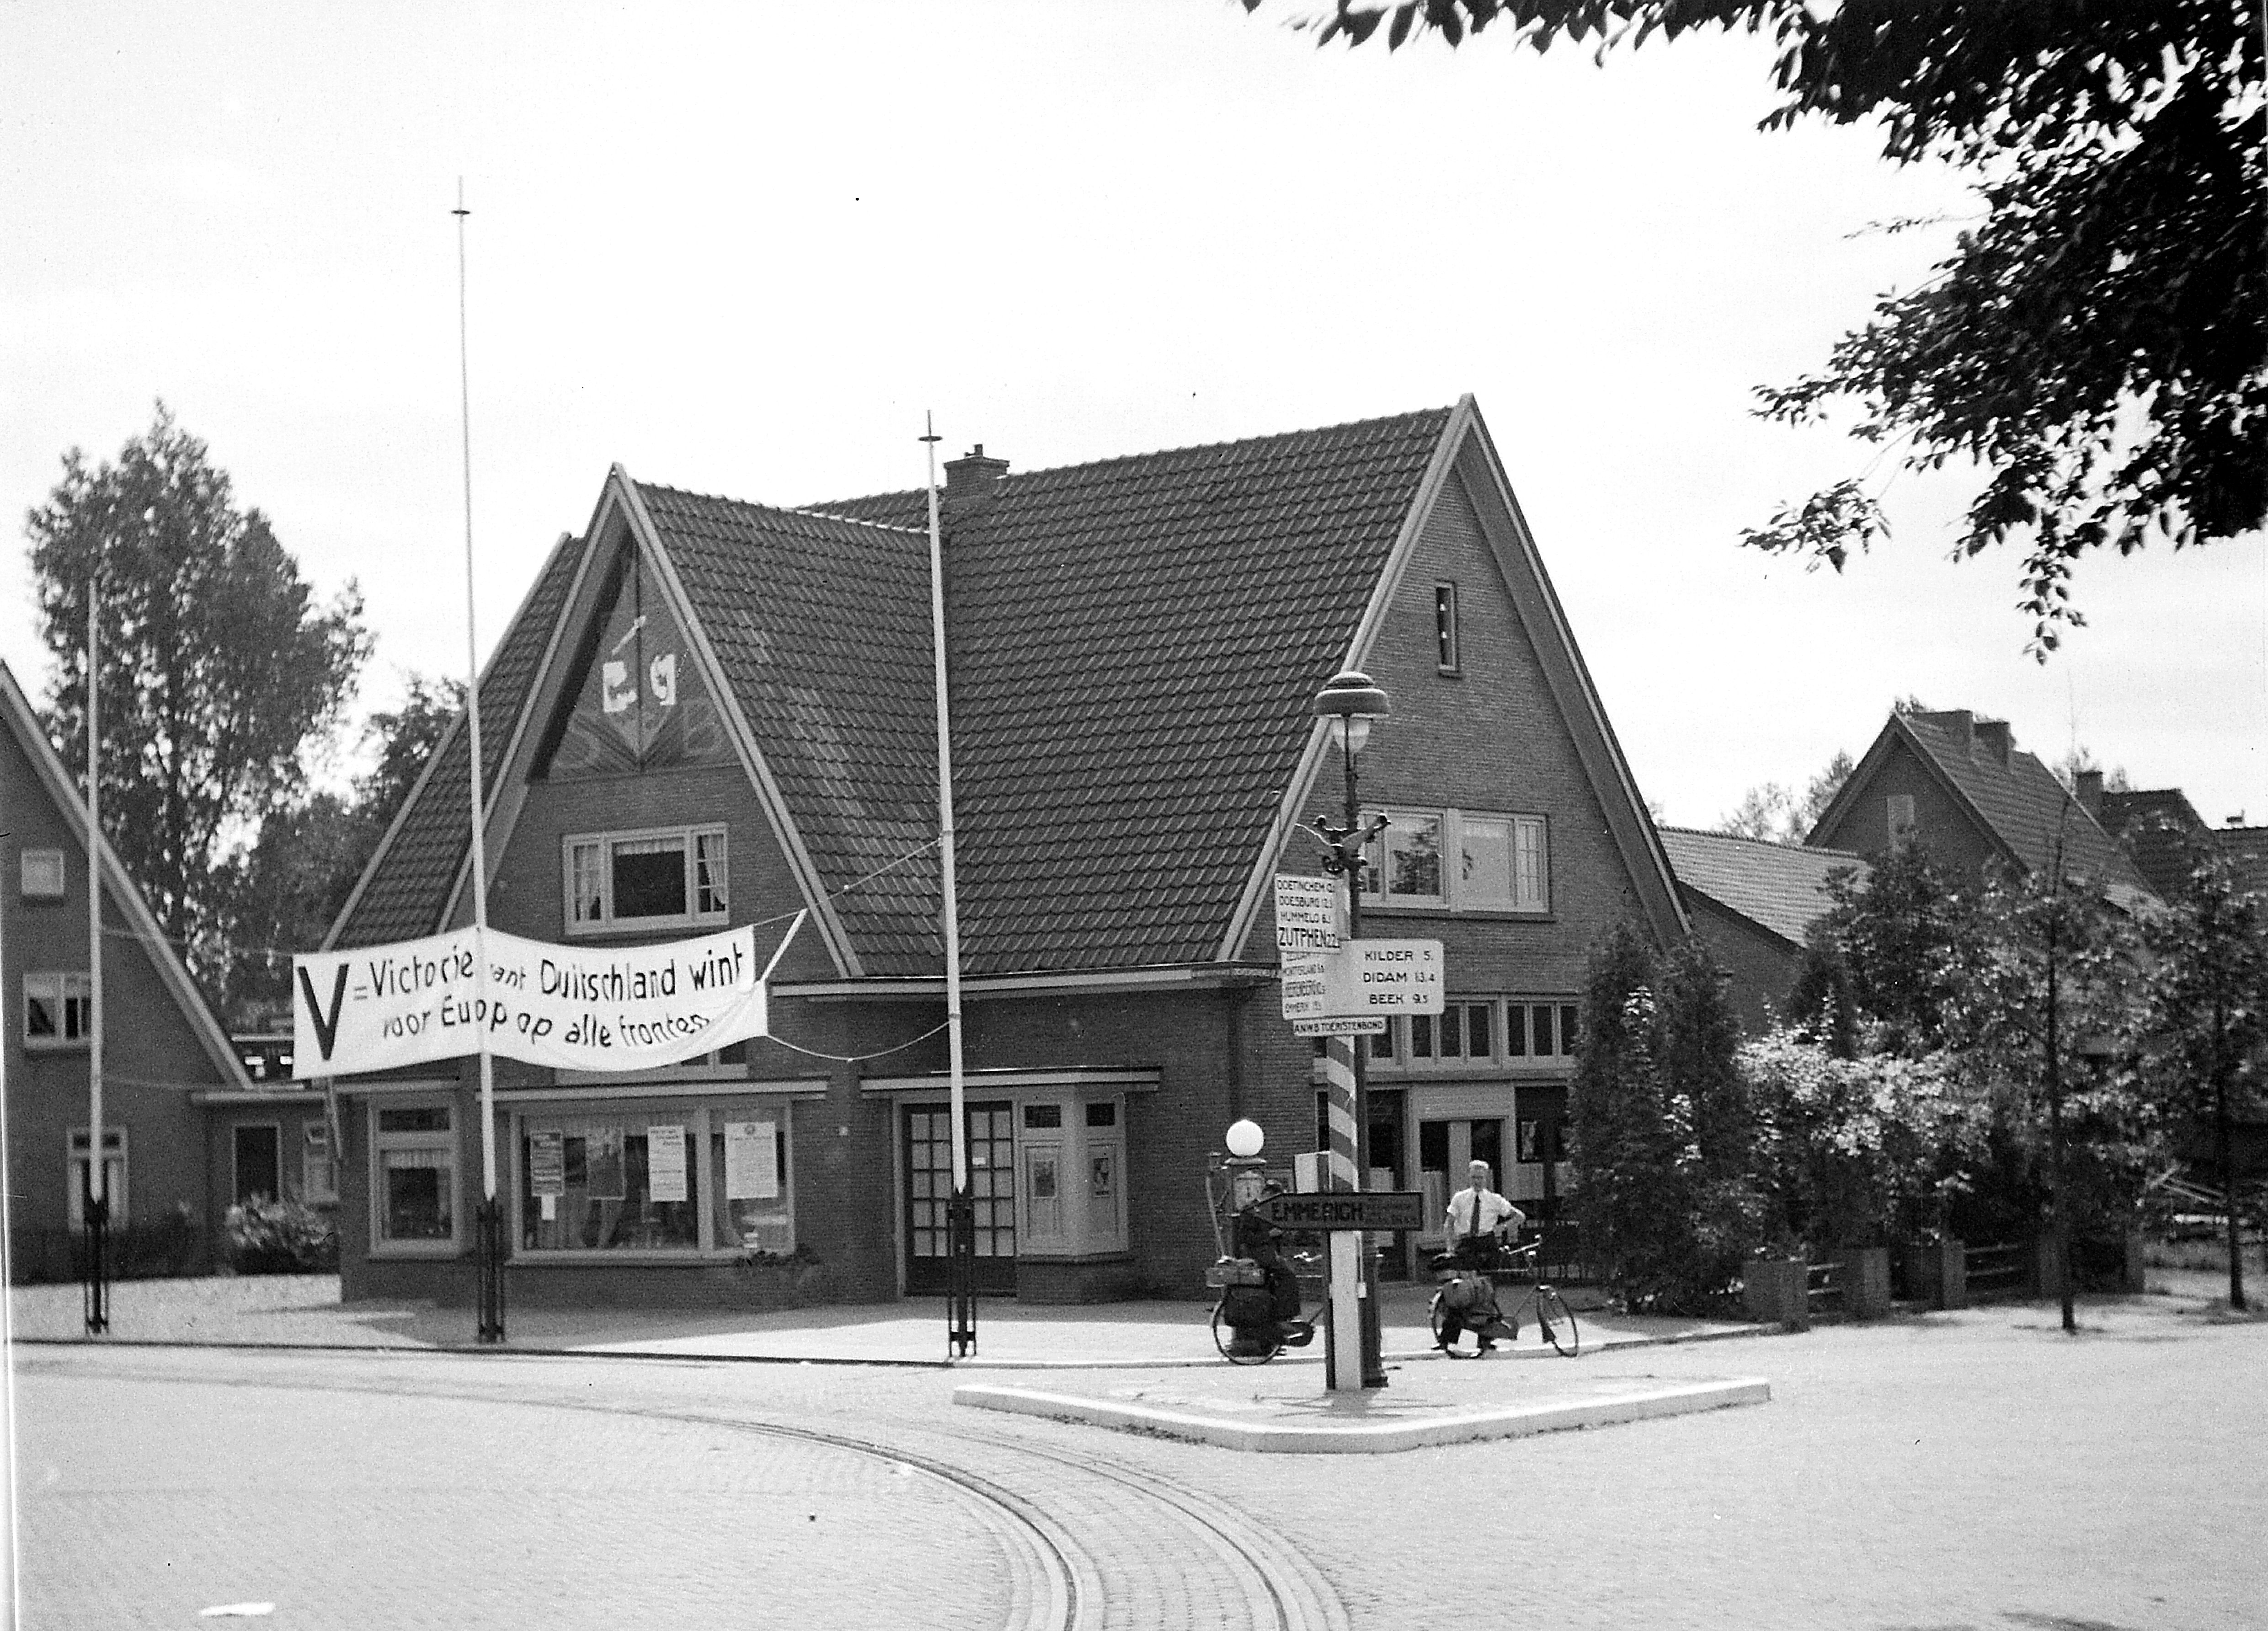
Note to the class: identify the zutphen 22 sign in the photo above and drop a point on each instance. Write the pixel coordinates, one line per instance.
(573, 1008)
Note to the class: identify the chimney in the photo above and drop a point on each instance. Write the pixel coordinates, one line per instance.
(2087, 788)
(1995, 743)
(970, 482)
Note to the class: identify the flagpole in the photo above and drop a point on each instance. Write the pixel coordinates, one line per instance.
(97, 1192)
(488, 1246)
(961, 1250)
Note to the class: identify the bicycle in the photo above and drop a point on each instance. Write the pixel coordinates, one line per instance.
(1554, 1319)
(1236, 1341)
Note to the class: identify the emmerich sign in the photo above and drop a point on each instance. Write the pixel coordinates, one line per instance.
(615, 1008)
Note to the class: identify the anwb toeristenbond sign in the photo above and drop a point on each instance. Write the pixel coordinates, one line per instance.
(617, 1008)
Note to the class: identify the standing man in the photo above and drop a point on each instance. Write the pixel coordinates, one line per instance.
(1476, 1212)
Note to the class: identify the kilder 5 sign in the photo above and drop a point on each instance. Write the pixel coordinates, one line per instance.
(1365, 980)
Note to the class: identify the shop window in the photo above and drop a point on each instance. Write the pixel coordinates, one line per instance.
(39, 875)
(414, 1186)
(58, 1010)
(637, 1181)
(114, 1175)
(670, 879)
(1501, 862)
(749, 1174)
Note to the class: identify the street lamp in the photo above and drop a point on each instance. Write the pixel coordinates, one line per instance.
(1350, 703)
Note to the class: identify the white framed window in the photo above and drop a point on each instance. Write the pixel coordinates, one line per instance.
(1502, 862)
(58, 1009)
(40, 874)
(1480, 1033)
(1540, 1032)
(663, 1179)
(1070, 1176)
(673, 877)
(78, 1174)
(1445, 628)
(413, 1191)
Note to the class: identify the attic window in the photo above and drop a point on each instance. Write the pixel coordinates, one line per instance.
(1901, 819)
(1444, 627)
(42, 874)
(671, 878)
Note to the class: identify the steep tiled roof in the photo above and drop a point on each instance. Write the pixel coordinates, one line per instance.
(1778, 887)
(2159, 827)
(404, 893)
(2020, 800)
(822, 628)
(1150, 631)
(2247, 849)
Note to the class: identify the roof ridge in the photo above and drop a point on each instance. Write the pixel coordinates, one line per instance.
(1799, 847)
(807, 512)
(1013, 475)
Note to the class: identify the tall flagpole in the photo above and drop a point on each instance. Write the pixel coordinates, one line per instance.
(489, 1246)
(97, 1192)
(960, 1220)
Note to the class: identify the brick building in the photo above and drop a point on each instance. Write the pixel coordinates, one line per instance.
(164, 1052)
(1753, 902)
(710, 713)
(1959, 785)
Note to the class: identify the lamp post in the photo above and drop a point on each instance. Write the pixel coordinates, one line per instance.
(1351, 704)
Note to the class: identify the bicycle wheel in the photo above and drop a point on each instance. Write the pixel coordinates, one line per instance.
(1227, 1343)
(1558, 1320)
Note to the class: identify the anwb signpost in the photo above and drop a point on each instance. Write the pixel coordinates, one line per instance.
(1358, 987)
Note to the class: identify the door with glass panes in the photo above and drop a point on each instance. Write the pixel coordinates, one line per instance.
(991, 1187)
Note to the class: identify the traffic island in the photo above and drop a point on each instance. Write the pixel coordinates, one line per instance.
(1372, 1423)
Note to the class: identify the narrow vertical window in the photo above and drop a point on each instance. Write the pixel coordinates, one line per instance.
(1444, 626)
(587, 888)
(1531, 882)
(1902, 823)
(708, 874)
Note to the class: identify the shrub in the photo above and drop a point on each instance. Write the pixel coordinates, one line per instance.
(281, 1237)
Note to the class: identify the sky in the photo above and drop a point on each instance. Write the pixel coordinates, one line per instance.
(743, 249)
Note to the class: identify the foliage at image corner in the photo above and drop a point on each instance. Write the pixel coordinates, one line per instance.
(2096, 341)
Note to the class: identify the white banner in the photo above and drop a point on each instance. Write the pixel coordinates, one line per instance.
(573, 1008)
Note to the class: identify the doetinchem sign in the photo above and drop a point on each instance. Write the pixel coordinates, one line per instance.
(1307, 914)
(617, 1007)
(1364, 978)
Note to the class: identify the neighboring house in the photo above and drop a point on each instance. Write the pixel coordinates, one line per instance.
(709, 712)
(1959, 787)
(1753, 902)
(164, 1052)
(2163, 832)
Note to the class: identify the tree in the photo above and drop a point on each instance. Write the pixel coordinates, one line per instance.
(2206, 1026)
(1661, 1131)
(2099, 342)
(2036, 1018)
(1771, 811)
(286, 890)
(1902, 940)
(218, 668)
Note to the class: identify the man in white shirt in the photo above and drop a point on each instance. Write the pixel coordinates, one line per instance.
(1476, 1212)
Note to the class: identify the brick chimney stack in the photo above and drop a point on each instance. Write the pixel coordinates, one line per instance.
(970, 484)
(1996, 743)
(2089, 790)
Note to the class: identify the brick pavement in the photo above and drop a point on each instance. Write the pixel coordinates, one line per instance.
(1977, 1469)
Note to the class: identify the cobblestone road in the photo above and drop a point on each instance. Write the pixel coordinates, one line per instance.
(1974, 1470)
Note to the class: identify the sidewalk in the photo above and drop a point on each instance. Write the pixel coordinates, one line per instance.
(304, 1311)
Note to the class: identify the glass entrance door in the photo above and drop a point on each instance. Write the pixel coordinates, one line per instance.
(991, 1186)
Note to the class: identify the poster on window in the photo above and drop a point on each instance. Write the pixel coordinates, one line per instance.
(547, 1163)
(665, 1162)
(571, 1008)
(604, 1169)
(751, 1161)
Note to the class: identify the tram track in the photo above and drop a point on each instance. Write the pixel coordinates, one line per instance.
(1073, 1529)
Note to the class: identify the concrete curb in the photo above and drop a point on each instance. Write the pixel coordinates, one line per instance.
(1455, 1427)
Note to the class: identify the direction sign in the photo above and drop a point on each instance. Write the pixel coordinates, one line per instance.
(1307, 914)
(1364, 978)
(1402, 1211)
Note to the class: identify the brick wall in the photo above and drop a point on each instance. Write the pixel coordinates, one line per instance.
(1763, 966)
(1944, 827)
